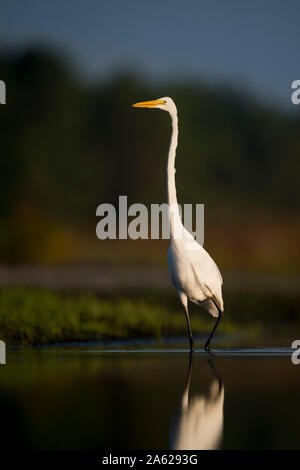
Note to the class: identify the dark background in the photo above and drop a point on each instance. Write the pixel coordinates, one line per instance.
(70, 140)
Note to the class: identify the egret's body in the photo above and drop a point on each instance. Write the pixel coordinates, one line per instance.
(193, 272)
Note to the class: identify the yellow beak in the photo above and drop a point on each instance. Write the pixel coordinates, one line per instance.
(148, 104)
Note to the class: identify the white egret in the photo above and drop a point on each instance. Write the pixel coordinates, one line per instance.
(193, 272)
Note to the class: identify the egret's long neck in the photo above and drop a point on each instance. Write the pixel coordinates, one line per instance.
(175, 220)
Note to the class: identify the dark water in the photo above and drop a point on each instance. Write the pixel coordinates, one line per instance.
(135, 397)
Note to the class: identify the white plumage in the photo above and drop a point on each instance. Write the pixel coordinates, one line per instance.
(193, 272)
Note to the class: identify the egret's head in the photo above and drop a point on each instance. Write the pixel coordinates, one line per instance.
(166, 104)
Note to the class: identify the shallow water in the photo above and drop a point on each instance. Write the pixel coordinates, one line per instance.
(139, 396)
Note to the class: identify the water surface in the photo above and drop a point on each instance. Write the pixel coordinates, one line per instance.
(138, 396)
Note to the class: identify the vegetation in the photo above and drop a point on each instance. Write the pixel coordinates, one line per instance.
(69, 145)
(32, 316)
(43, 317)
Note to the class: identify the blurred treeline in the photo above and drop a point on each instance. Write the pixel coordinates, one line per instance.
(68, 145)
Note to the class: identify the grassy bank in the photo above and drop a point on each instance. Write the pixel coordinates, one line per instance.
(33, 316)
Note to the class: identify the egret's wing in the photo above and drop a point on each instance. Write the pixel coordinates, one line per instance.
(201, 257)
(196, 274)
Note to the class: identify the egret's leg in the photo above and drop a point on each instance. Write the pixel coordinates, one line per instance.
(191, 339)
(184, 301)
(207, 344)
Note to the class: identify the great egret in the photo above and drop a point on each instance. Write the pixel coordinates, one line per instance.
(193, 272)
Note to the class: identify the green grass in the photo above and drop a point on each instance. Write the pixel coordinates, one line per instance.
(35, 316)
(31, 316)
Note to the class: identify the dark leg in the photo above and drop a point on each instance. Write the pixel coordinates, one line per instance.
(207, 344)
(189, 329)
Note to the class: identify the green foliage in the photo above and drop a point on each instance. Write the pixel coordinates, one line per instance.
(41, 316)
(32, 316)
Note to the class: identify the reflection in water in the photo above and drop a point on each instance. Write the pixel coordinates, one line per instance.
(199, 421)
(88, 400)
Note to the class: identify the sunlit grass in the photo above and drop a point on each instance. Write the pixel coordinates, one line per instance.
(35, 316)
(31, 316)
